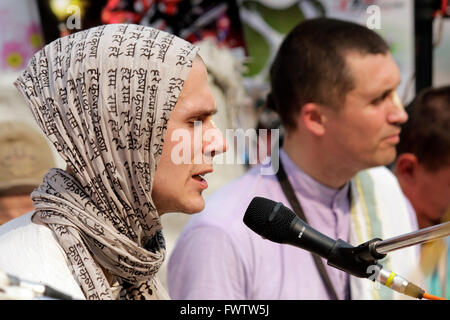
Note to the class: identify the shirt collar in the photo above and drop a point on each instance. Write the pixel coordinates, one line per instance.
(311, 188)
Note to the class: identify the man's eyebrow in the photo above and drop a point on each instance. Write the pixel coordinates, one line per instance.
(388, 91)
(204, 113)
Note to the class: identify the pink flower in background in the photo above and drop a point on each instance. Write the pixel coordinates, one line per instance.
(34, 36)
(13, 55)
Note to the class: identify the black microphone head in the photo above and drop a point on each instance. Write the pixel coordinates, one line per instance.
(269, 219)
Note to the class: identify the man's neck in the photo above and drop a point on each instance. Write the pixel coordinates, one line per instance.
(317, 163)
(423, 220)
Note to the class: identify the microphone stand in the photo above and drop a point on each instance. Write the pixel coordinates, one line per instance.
(358, 260)
(412, 238)
(377, 248)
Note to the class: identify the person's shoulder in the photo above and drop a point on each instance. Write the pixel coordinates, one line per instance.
(381, 172)
(22, 241)
(382, 176)
(22, 231)
(391, 199)
(384, 183)
(31, 252)
(20, 227)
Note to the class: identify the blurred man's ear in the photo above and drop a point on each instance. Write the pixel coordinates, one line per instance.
(312, 118)
(406, 167)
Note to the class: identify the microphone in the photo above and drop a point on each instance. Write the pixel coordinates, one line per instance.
(28, 289)
(275, 222)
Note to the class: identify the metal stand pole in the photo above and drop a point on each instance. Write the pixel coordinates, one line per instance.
(413, 238)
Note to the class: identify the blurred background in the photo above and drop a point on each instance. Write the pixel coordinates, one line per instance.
(238, 40)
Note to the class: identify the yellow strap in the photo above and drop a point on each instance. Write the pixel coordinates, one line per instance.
(390, 279)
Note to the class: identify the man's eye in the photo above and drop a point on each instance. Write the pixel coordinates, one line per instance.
(379, 100)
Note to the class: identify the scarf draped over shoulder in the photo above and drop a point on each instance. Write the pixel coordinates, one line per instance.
(103, 97)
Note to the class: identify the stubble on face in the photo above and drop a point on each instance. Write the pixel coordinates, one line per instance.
(365, 130)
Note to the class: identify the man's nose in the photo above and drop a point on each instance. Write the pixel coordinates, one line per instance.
(397, 113)
(214, 141)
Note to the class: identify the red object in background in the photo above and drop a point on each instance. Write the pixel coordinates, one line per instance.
(443, 10)
(118, 11)
(169, 7)
(444, 6)
(192, 20)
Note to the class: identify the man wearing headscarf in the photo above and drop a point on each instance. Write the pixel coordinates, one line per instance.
(104, 97)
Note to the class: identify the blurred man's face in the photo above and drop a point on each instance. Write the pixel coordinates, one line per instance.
(431, 197)
(191, 141)
(364, 131)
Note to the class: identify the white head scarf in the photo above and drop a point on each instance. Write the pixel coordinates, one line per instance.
(103, 97)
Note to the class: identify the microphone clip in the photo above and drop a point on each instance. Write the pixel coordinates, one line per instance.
(354, 260)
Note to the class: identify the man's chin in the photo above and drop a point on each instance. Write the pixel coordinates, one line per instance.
(195, 206)
(191, 206)
(384, 159)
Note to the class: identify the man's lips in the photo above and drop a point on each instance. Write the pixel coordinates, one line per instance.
(203, 172)
(199, 177)
(394, 138)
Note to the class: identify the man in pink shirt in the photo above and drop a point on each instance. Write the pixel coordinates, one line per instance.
(333, 85)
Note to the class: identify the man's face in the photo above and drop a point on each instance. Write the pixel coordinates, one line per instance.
(431, 196)
(364, 131)
(190, 143)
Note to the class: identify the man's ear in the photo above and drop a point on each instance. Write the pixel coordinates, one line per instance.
(406, 167)
(312, 118)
